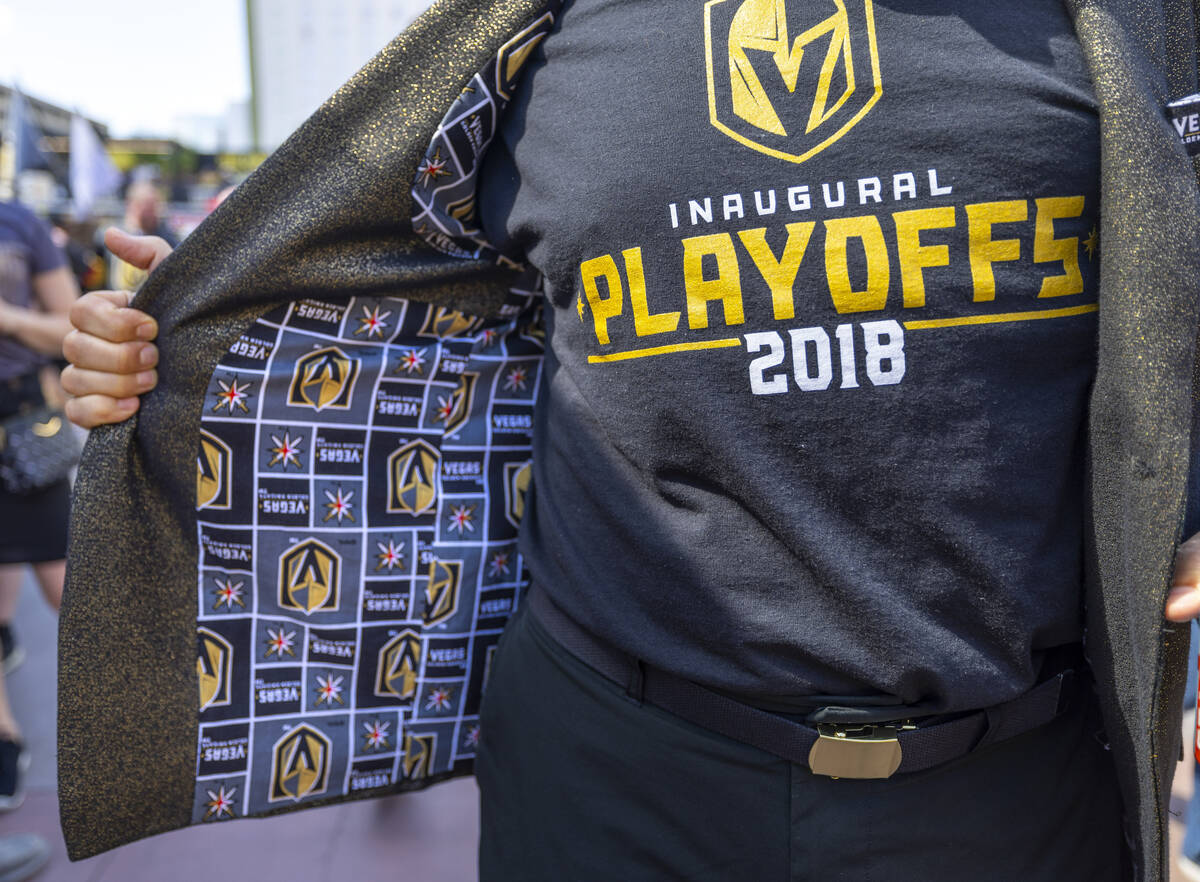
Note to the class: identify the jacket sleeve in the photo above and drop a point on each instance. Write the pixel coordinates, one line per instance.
(287, 573)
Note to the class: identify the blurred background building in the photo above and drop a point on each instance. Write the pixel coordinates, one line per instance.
(302, 50)
(288, 56)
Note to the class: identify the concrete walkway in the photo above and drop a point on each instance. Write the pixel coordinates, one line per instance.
(409, 838)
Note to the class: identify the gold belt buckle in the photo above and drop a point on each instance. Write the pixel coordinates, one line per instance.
(856, 751)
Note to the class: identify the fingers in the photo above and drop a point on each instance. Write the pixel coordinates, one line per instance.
(81, 381)
(106, 314)
(144, 252)
(1183, 600)
(112, 360)
(94, 354)
(90, 411)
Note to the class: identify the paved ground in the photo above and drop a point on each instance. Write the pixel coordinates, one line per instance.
(410, 838)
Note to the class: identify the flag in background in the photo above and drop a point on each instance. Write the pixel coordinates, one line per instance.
(93, 175)
(25, 136)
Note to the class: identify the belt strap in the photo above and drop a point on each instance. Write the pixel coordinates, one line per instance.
(920, 748)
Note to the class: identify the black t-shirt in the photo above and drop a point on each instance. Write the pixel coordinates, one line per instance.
(822, 313)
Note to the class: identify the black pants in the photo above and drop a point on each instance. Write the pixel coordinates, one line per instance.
(580, 784)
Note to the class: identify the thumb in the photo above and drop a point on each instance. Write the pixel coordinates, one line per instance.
(144, 252)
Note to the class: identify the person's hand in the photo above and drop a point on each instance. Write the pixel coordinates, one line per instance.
(1183, 600)
(111, 357)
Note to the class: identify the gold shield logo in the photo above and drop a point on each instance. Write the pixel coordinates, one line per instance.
(324, 378)
(790, 78)
(441, 593)
(444, 323)
(457, 410)
(399, 662)
(214, 473)
(300, 764)
(418, 756)
(308, 577)
(517, 478)
(413, 478)
(214, 669)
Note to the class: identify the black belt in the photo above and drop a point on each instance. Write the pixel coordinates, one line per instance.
(835, 750)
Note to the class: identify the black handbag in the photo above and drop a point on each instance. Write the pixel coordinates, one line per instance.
(37, 448)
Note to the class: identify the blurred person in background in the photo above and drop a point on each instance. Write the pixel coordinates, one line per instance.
(37, 289)
(143, 216)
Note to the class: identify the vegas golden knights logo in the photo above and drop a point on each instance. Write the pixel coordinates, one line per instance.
(214, 473)
(418, 756)
(399, 662)
(790, 77)
(324, 378)
(517, 478)
(441, 592)
(300, 764)
(512, 55)
(413, 478)
(308, 577)
(462, 399)
(444, 323)
(214, 669)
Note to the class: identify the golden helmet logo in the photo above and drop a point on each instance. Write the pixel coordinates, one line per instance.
(399, 662)
(413, 478)
(418, 756)
(445, 323)
(214, 473)
(214, 669)
(300, 764)
(790, 96)
(457, 410)
(517, 478)
(512, 55)
(324, 378)
(441, 592)
(308, 577)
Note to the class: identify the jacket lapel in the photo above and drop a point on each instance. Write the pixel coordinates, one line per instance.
(1141, 408)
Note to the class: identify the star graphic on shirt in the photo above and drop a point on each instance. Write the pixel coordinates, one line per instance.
(461, 518)
(1091, 243)
(329, 689)
(516, 378)
(376, 737)
(232, 395)
(339, 504)
(498, 565)
(372, 322)
(472, 738)
(432, 167)
(412, 362)
(280, 641)
(487, 338)
(228, 594)
(446, 407)
(286, 450)
(439, 699)
(390, 555)
(220, 803)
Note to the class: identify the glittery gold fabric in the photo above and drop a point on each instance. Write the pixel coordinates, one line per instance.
(1142, 55)
(328, 216)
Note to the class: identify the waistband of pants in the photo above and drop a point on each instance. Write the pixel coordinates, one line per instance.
(875, 751)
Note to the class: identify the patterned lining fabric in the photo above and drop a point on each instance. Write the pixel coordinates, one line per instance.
(362, 471)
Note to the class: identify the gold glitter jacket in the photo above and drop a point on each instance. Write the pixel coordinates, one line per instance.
(328, 215)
